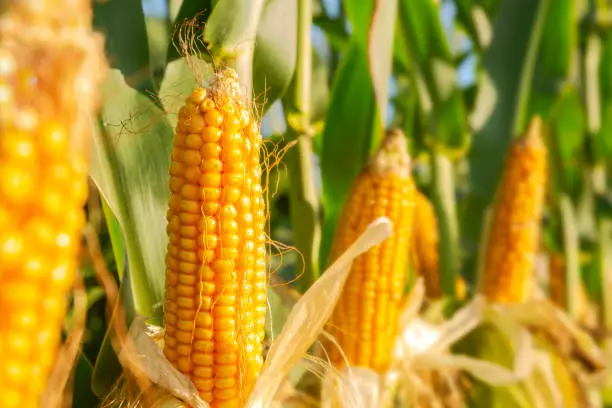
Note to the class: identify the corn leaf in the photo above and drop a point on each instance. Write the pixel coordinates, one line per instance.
(508, 64)
(233, 29)
(275, 52)
(357, 109)
(123, 24)
(130, 167)
(603, 139)
(82, 395)
(557, 50)
(107, 368)
(432, 62)
(347, 137)
(195, 12)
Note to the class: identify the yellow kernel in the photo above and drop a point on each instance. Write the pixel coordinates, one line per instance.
(244, 117)
(232, 179)
(205, 359)
(191, 157)
(193, 141)
(206, 105)
(224, 325)
(231, 155)
(210, 180)
(203, 334)
(225, 299)
(230, 240)
(185, 314)
(222, 370)
(231, 122)
(206, 255)
(203, 371)
(204, 346)
(196, 123)
(185, 290)
(189, 219)
(202, 384)
(179, 139)
(225, 394)
(213, 118)
(191, 174)
(228, 212)
(210, 194)
(210, 208)
(183, 337)
(190, 206)
(210, 240)
(224, 311)
(210, 150)
(211, 134)
(185, 302)
(184, 364)
(231, 194)
(230, 139)
(207, 225)
(223, 383)
(54, 140)
(198, 95)
(204, 319)
(190, 192)
(211, 166)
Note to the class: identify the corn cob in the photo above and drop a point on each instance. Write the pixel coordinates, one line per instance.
(49, 68)
(557, 288)
(556, 278)
(507, 268)
(215, 304)
(460, 288)
(364, 322)
(425, 245)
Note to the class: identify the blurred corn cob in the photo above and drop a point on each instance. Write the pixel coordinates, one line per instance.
(557, 290)
(365, 320)
(425, 249)
(50, 65)
(506, 273)
(216, 280)
(425, 245)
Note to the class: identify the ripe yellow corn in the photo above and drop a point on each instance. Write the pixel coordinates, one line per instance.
(557, 288)
(556, 278)
(49, 69)
(507, 268)
(425, 245)
(460, 288)
(215, 306)
(364, 322)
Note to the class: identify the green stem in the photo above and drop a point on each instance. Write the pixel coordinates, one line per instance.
(520, 116)
(304, 204)
(571, 247)
(444, 202)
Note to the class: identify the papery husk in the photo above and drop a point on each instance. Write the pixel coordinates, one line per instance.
(424, 372)
(305, 322)
(564, 362)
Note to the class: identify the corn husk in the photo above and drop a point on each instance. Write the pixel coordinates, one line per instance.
(300, 331)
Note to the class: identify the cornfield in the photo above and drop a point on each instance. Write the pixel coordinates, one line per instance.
(305, 203)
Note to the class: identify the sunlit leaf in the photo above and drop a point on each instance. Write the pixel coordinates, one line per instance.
(347, 138)
(130, 167)
(123, 24)
(517, 30)
(432, 62)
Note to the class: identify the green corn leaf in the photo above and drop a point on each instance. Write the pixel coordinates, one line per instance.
(130, 161)
(123, 24)
(429, 53)
(508, 65)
